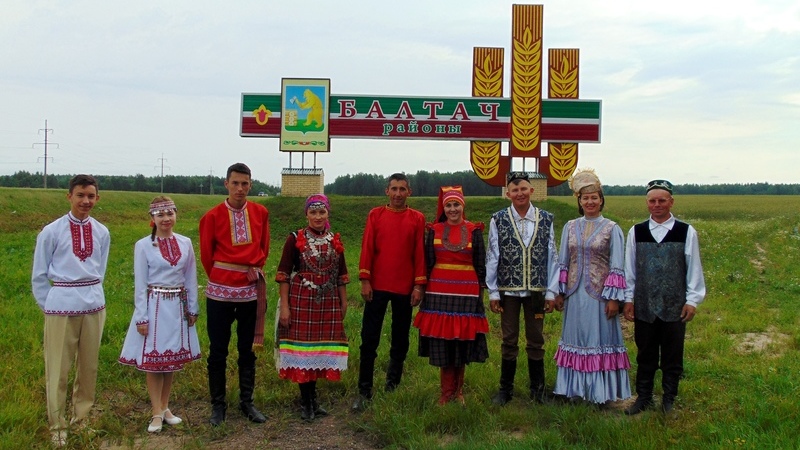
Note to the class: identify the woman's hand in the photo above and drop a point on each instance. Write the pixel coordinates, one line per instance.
(285, 316)
(142, 329)
(612, 309)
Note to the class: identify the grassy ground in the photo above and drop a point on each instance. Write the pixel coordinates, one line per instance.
(742, 369)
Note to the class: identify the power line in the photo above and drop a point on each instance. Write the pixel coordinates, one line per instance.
(45, 143)
(162, 159)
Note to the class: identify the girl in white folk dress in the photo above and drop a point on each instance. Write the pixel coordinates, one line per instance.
(162, 337)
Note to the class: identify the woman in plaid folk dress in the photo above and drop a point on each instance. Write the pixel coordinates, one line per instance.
(452, 319)
(312, 274)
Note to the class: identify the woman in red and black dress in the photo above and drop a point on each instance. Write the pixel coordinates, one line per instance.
(313, 276)
(452, 319)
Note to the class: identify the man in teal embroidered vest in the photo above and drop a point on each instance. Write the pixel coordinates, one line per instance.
(521, 274)
(665, 282)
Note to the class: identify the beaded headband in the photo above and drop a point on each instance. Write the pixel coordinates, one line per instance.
(162, 206)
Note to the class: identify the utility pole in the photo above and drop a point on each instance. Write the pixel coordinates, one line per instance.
(45, 143)
(210, 182)
(162, 159)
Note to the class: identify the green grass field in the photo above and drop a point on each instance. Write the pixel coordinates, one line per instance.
(740, 390)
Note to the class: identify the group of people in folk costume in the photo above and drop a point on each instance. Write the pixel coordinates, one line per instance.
(654, 279)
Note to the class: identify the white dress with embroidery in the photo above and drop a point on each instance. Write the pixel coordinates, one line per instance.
(165, 273)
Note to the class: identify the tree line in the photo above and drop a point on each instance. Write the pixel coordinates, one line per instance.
(173, 184)
(423, 183)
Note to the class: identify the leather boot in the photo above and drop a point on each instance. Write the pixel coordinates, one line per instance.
(458, 384)
(644, 395)
(447, 383)
(366, 367)
(508, 368)
(306, 408)
(536, 375)
(393, 374)
(216, 387)
(247, 381)
(318, 410)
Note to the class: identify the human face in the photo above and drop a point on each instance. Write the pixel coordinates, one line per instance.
(591, 204)
(317, 218)
(238, 186)
(659, 203)
(398, 191)
(164, 221)
(520, 194)
(82, 199)
(454, 211)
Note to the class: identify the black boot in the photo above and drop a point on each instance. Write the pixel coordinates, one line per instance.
(393, 374)
(216, 387)
(536, 375)
(306, 407)
(644, 395)
(366, 368)
(247, 381)
(318, 410)
(508, 369)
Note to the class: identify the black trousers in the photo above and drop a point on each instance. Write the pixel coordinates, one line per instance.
(220, 318)
(371, 326)
(659, 344)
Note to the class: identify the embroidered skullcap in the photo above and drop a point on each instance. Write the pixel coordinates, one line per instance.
(584, 181)
(162, 205)
(659, 184)
(317, 201)
(514, 176)
(447, 194)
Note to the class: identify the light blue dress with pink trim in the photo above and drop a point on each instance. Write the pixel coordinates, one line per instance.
(592, 359)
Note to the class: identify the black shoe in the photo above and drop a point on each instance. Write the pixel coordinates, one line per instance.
(253, 415)
(390, 387)
(361, 403)
(307, 412)
(318, 410)
(667, 405)
(217, 415)
(502, 397)
(641, 404)
(394, 373)
(541, 396)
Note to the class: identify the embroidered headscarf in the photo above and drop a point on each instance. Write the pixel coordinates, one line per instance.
(448, 194)
(318, 201)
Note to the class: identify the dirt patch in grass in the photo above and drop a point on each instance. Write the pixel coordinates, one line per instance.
(771, 342)
(286, 431)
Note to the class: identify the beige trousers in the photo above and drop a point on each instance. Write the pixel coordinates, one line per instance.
(68, 339)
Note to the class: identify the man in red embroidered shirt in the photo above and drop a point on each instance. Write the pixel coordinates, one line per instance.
(234, 244)
(391, 269)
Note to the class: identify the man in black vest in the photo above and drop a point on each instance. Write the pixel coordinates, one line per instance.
(665, 284)
(521, 274)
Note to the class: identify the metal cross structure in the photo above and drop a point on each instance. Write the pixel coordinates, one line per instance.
(486, 119)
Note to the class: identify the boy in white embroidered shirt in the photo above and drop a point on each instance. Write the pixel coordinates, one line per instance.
(69, 265)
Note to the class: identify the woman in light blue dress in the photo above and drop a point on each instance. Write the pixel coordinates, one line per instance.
(592, 359)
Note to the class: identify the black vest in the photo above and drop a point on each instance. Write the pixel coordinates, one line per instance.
(660, 273)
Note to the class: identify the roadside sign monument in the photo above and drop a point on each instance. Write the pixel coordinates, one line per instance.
(305, 115)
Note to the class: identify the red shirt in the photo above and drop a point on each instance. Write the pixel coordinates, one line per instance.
(232, 240)
(392, 252)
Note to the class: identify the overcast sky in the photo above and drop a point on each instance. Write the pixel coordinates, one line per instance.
(693, 91)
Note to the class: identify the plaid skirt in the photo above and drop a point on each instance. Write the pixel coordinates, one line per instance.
(452, 330)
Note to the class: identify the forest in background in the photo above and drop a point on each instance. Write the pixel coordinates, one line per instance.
(423, 183)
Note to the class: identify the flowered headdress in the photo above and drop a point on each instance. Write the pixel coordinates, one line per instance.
(448, 194)
(585, 181)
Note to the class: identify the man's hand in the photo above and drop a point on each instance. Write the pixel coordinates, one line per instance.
(366, 290)
(549, 306)
(627, 311)
(687, 313)
(494, 306)
(417, 294)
